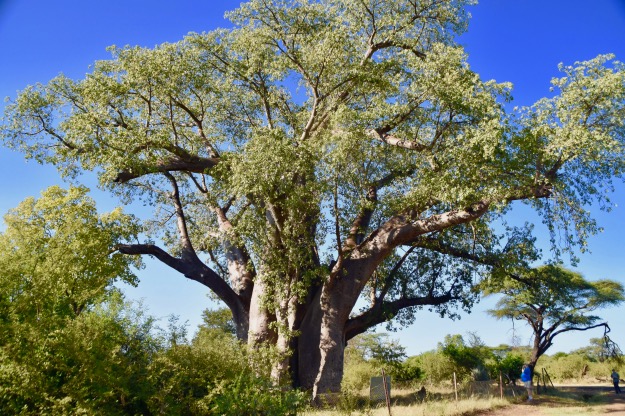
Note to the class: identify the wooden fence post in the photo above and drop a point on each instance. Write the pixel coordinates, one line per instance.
(388, 399)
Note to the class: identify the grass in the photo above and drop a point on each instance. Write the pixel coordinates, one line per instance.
(438, 401)
(435, 408)
(562, 401)
(444, 408)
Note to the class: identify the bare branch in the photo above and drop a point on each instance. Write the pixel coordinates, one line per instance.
(181, 223)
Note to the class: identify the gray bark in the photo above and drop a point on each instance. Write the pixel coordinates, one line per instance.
(260, 317)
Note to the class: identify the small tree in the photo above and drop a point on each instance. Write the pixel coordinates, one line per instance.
(218, 320)
(469, 359)
(553, 300)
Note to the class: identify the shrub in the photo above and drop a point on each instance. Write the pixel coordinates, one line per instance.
(215, 374)
(565, 367)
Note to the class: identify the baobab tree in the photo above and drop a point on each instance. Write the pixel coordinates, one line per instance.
(323, 151)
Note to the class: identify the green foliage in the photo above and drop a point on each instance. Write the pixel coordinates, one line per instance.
(510, 366)
(469, 361)
(368, 354)
(218, 319)
(378, 348)
(63, 350)
(564, 295)
(214, 374)
(246, 395)
(553, 300)
(70, 344)
(96, 363)
(436, 367)
(507, 361)
(587, 363)
(55, 254)
(565, 366)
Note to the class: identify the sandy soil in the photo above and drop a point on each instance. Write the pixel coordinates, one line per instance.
(545, 406)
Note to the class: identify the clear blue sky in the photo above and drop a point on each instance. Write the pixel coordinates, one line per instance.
(521, 41)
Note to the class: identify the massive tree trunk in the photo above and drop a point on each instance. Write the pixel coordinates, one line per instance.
(331, 341)
(286, 317)
(308, 344)
(261, 317)
(337, 298)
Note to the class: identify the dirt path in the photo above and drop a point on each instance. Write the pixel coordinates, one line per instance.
(600, 400)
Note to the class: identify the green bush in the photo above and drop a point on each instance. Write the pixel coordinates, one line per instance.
(215, 374)
(564, 367)
(602, 370)
(368, 354)
(357, 374)
(95, 364)
(71, 345)
(436, 367)
(509, 366)
(407, 372)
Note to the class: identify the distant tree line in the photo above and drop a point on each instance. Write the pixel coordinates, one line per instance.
(469, 359)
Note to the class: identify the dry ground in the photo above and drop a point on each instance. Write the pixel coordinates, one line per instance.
(569, 400)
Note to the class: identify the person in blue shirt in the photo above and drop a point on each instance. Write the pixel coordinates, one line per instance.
(526, 378)
(615, 380)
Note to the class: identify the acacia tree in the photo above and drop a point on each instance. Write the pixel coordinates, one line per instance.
(321, 151)
(554, 300)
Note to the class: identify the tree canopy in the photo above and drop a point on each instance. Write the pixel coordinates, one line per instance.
(59, 343)
(56, 255)
(323, 151)
(554, 300)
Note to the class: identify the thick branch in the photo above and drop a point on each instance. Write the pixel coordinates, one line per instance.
(603, 324)
(387, 310)
(239, 262)
(171, 164)
(194, 270)
(401, 229)
(390, 44)
(187, 248)
(396, 141)
(488, 259)
(361, 223)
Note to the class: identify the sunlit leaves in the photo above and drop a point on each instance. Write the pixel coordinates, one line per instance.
(56, 253)
(552, 295)
(307, 117)
(60, 346)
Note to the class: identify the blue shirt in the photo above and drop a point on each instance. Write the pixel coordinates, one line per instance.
(526, 375)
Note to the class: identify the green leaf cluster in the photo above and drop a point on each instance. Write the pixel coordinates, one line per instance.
(552, 295)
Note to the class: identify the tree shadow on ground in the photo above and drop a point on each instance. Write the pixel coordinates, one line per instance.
(561, 396)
